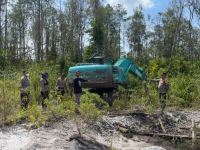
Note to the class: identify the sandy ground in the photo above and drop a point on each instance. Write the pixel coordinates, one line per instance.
(56, 137)
(99, 135)
(14, 138)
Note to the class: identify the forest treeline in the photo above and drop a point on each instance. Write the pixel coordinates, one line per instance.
(51, 30)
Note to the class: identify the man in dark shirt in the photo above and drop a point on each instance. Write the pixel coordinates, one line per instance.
(77, 87)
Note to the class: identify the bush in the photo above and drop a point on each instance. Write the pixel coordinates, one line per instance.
(90, 105)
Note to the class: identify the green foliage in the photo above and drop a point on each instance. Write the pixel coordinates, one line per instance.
(158, 65)
(96, 33)
(10, 101)
(184, 93)
(90, 105)
(183, 79)
(65, 64)
(88, 52)
(121, 99)
(136, 32)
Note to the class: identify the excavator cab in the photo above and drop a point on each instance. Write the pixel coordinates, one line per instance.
(100, 60)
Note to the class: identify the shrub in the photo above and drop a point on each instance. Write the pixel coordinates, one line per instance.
(90, 105)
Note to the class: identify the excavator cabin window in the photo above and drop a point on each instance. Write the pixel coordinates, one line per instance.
(100, 60)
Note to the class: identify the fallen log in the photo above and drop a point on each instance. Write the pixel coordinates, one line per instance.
(88, 142)
(193, 132)
(121, 125)
(147, 92)
(167, 135)
(121, 129)
(75, 136)
(162, 125)
(131, 131)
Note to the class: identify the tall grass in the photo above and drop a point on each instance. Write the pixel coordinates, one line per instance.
(184, 90)
(57, 106)
(183, 93)
(10, 101)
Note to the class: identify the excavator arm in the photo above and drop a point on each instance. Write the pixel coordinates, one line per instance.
(129, 66)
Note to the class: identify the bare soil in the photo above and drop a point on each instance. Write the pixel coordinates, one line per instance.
(136, 131)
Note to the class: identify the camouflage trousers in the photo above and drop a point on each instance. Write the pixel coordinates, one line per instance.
(162, 97)
(45, 95)
(24, 100)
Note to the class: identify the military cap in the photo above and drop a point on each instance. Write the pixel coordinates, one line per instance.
(63, 75)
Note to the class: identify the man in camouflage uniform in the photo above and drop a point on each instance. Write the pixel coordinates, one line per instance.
(61, 84)
(24, 89)
(44, 87)
(163, 88)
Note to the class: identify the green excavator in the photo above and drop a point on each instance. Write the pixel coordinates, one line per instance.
(104, 74)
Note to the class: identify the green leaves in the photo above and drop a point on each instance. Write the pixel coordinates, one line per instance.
(92, 106)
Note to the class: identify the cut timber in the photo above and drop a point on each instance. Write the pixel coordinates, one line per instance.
(162, 125)
(123, 130)
(134, 132)
(193, 132)
(147, 91)
(178, 136)
(166, 135)
(107, 122)
(88, 142)
(75, 136)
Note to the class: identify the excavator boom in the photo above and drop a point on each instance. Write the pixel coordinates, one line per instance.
(129, 66)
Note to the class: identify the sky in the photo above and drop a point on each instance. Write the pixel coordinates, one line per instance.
(152, 7)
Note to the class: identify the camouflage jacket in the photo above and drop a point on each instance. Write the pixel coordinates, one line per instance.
(163, 86)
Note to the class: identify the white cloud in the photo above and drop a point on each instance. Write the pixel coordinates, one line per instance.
(131, 4)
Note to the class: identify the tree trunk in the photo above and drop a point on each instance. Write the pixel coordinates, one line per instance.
(20, 42)
(178, 24)
(191, 46)
(39, 36)
(1, 38)
(6, 27)
(47, 44)
(42, 51)
(24, 42)
(96, 15)
(119, 40)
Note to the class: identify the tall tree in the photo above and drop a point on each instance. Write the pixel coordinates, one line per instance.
(136, 32)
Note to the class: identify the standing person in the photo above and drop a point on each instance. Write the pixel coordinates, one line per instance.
(47, 85)
(61, 84)
(24, 89)
(77, 87)
(163, 88)
(44, 88)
